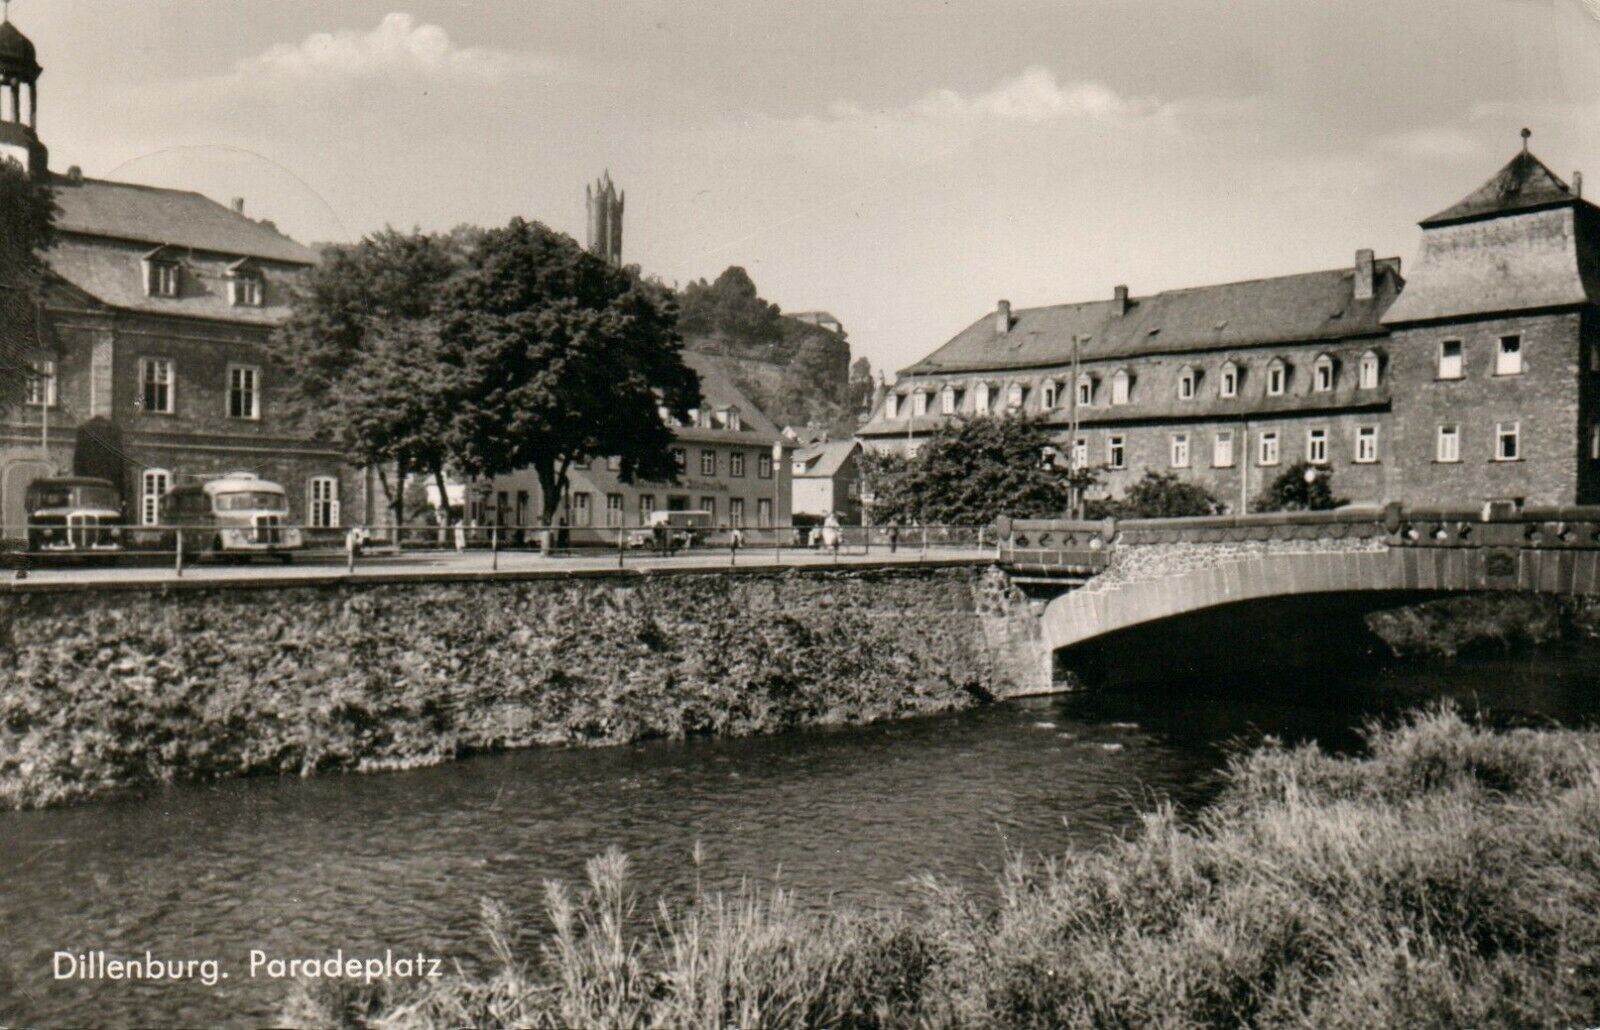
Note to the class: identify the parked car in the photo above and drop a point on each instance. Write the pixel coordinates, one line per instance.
(670, 531)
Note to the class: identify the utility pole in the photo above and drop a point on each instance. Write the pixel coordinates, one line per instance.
(1072, 439)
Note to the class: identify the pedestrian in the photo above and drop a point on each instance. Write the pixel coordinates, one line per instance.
(561, 533)
(736, 539)
(894, 536)
(461, 535)
(830, 532)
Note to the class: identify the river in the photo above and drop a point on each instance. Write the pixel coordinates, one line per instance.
(400, 860)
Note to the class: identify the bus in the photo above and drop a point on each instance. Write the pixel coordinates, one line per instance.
(78, 514)
(239, 513)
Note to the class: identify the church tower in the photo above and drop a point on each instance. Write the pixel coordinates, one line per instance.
(19, 71)
(605, 219)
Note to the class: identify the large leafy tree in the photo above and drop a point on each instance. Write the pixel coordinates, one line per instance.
(731, 307)
(971, 472)
(27, 215)
(561, 358)
(362, 357)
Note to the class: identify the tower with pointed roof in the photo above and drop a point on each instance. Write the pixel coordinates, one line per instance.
(605, 205)
(19, 101)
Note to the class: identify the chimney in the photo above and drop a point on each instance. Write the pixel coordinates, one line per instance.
(1002, 318)
(74, 174)
(1363, 282)
(238, 205)
(1119, 300)
(1577, 185)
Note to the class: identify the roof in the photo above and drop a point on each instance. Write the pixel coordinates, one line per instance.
(717, 390)
(1309, 306)
(17, 52)
(1524, 184)
(113, 274)
(823, 461)
(180, 218)
(805, 436)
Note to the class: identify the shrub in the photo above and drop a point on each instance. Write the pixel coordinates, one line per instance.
(1162, 495)
(1300, 487)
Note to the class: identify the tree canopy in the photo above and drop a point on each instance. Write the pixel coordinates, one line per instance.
(731, 307)
(1300, 487)
(27, 218)
(1160, 495)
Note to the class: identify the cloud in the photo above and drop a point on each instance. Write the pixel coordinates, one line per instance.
(1032, 97)
(398, 46)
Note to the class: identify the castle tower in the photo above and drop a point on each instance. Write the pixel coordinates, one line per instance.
(19, 70)
(605, 219)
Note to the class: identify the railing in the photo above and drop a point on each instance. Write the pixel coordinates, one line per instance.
(178, 547)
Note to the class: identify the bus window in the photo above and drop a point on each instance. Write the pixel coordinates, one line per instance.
(252, 500)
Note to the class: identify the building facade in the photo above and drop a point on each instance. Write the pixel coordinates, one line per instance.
(827, 480)
(733, 463)
(1473, 381)
(151, 344)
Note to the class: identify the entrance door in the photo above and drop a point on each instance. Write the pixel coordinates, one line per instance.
(14, 496)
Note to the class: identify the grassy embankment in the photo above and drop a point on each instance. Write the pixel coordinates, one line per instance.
(1448, 877)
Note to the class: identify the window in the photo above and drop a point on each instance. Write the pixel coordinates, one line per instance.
(1508, 356)
(1222, 449)
(501, 504)
(1367, 375)
(1322, 374)
(614, 464)
(980, 401)
(155, 375)
(1594, 357)
(709, 504)
(582, 512)
(1048, 395)
(1317, 446)
(1119, 387)
(322, 502)
(161, 278)
(732, 422)
(1366, 445)
(1507, 441)
(1085, 390)
(1080, 453)
(243, 395)
(1186, 381)
(1116, 452)
(1277, 378)
(1447, 446)
(1450, 359)
(764, 512)
(1228, 382)
(1015, 394)
(152, 484)
(42, 384)
(1594, 442)
(614, 510)
(708, 462)
(891, 406)
(736, 511)
(1267, 448)
(736, 463)
(247, 290)
(680, 459)
(1179, 448)
(764, 466)
(647, 505)
(919, 403)
(947, 401)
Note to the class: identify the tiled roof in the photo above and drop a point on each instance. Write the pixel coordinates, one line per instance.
(1523, 184)
(113, 273)
(823, 461)
(98, 207)
(1310, 306)
(718, 391)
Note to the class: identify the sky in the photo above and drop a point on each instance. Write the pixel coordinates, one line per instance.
(903, 165)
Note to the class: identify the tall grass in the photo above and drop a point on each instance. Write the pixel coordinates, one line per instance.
(1450, 876)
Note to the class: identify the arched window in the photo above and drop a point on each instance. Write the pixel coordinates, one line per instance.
(152, 484)
(1368, 374)
(1228, 380)
(980, 402)
(1322, 374)
(947, 400)
(1277, 377)
(1015, 393)
(919, 402)
(1120, 383)
(1188, 378)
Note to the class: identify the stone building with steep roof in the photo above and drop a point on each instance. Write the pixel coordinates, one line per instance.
(157, 308)
(1474, 380)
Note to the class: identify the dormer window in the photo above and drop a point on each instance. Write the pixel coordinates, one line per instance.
(1049, 394)
(1120, 383)
(1367, 376)
(919, 403)
(163, 274)
(731, 421)
(247, 286)
(1187, 380)
(1277, 378)
(1015, 393)
(980, 402)
(1085, 390)
(1322, 374)
(1228, 380)
(947, 401)
(891, 406)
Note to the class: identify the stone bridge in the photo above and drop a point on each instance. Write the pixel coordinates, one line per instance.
(1100, 579)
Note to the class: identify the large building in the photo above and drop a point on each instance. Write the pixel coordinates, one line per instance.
(157, 309)
(1478, 379)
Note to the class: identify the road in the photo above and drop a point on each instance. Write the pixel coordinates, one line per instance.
(446, 565)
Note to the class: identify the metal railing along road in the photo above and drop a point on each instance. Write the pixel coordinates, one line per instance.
(181, 547)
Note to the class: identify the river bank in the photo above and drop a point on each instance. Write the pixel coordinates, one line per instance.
(1450, 875)
(108, 690)
(1482, 623)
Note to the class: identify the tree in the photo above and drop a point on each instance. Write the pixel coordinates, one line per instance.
(971, 472)
(858, 391)
(1162, 495)
(1300, 487)
(27, 220)
(361, 357)
(729, 307)
(561, 358)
